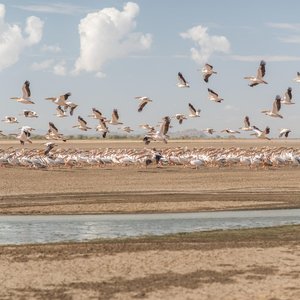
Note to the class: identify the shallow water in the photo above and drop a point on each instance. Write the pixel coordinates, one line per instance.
(60, 228)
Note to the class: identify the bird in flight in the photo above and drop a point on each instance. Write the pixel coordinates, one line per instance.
(247, 126)
(287, 98)
(207, 71)
(213, 96)
(182, 83)
(82, 124)
(26, 93)
(261, 134)
(143, 101)
(284, 132)
(275, 109)
(261, 71)
(194, 113)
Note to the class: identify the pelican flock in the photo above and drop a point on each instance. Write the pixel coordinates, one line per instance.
(204, 157)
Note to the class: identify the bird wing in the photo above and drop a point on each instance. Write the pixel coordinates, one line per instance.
(52, 128)
(247, 122)
(97, 113)
(181, 78)
(212, 93)
(142, 105)
(261, 70)
(81, 121)
(26, 90)
(115, 115)
(192, 109)
(276, 106)
(256, 130)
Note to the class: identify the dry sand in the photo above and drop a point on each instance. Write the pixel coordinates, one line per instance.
(253, 264)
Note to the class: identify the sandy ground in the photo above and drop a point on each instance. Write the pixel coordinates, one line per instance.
(248, 264)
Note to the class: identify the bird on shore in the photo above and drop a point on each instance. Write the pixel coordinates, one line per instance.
(194, 113)
(82, 124)
(207, 71)
(26, 94)
(247, 126)
(10, 120)
(287, 98)
(213, 96)
(29, 114)
(261, 134)
(275, 109)
(261, 71)
(143, 101)
(284, 132)
(182, 83)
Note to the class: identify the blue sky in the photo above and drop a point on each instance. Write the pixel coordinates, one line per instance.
(75, 46)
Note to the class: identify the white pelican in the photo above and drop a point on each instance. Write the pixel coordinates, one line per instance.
(261, 134)
(96, 114)
(71, 106)
(275, 109)
(193, 112)
(297, 78)
(126, 129)
(30, 114)
(25, 94)
(54, 134)
(24, 135)
(207, 71)
(161, 134)
(247, 126)
(147, 127)
(102, 127)
(82, 124)
(60, 112)
(114, 118)
(260, 74)
(49, 147)
(143, 101)
(182, 83)
(10, 120)
(60, 100)
(230, 131)
(180, 118)
(287, 98)
(213, 96)
(284, 132)
(209, 130)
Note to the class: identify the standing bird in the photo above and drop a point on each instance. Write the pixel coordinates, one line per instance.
(284, 132)
(60, 100)
(287, 98)
(261, 71)
(26, 93)
(193, 112)
(182, 83)
(143, 101)
(207, 71)
(275, 109)
(213, 96)
(261, 134)
(82, 124)
(247, 126)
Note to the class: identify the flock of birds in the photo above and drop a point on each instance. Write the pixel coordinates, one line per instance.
(65, 107)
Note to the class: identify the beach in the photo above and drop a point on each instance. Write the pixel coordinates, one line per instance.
(243, 264)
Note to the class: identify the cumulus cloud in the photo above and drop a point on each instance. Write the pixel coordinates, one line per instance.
(108, 34)
(13, 40)
(60, 68)
(43, 65)
(206, 44)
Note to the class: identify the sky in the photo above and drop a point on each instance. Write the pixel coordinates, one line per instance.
(107, 52)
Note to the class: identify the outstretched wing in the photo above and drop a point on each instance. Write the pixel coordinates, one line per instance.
(26, 90)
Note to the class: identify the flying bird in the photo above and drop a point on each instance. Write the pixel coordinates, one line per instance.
(261, 71)
(30, 114)
(143, 101)
(10, 120)
(54, 134)
(194, 113)
(96, 114)
(180, 118)
(209, 130)
(60, 100)
(297, 78)
(213, 96)
(102, 127)
(82, 124)
(275, 109)
(261, 134)
(247, 126)
(207, 71)
(26, 93)
(114, 118)
(284, 132)
(24, 135)
(60, 112)
(71, 106)
(49, 147)
(126, 129)
(230, 131)
(161, 134)
(182, 83)
(287, 98)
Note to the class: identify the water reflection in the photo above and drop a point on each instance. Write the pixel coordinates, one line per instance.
(45, 229)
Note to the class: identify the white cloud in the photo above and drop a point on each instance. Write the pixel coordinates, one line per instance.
(51, 48)
(276, 58)
(100, 75)
(206, 44)
(289, 26)
(60, 68)
(108, 34)
(13, 40)
(292, 39)
(43, 65)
